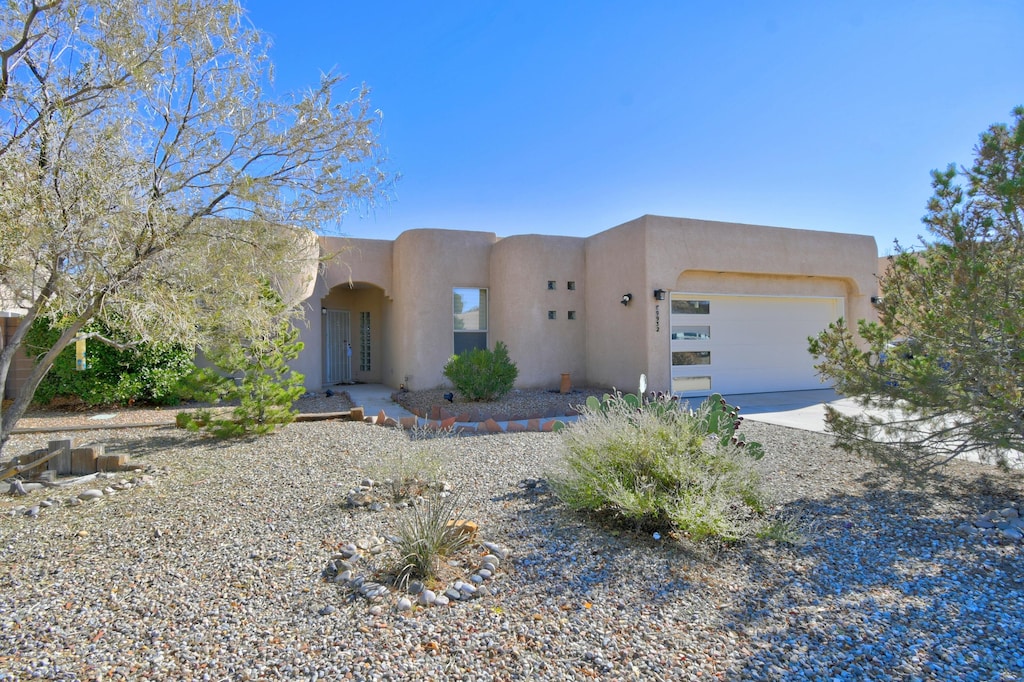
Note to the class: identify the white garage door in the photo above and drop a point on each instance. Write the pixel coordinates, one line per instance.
(746, 344)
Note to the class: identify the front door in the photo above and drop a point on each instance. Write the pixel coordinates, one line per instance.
(337, 347)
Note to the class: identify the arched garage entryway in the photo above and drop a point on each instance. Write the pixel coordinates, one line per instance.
(741, 333)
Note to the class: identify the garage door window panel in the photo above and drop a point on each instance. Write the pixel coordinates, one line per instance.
(686, 306)
(699, 384)
(686, 358)
(691, 333)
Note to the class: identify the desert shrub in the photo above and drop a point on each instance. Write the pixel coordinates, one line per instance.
(481, 374)
(425, 535)
(404, 472)
(783, 530)
(410, 467)
(652, 464)
(148, 373)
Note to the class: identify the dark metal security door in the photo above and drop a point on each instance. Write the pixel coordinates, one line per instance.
(337, 347)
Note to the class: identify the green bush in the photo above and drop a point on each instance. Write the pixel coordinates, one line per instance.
(653, 465)
(253, 375)
(481, 374)
(149, 373)
(256, 379)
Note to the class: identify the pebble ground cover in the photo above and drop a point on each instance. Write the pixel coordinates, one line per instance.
(214, 570)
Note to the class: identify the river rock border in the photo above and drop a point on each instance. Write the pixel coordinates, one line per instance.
(109, 485)
(352, 568)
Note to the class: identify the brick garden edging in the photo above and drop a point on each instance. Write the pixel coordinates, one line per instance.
(460, 425)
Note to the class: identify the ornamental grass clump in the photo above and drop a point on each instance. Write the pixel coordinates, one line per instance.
(425, 535)
(403, 472)
(654, 465)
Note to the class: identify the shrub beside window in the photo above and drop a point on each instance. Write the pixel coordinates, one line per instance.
(481, 374)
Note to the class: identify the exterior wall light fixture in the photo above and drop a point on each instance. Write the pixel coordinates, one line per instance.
(323, 311)
(626, 298)
(659, 294)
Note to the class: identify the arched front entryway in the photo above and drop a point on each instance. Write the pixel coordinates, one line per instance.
(353, 334)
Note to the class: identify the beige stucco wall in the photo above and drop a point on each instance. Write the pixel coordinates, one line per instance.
(428, 264)
(407, 286)
(309, 361)
(655, 252)
(300, 281)
(884, 263)
(616, 334)
(357, 260)
(542, 348)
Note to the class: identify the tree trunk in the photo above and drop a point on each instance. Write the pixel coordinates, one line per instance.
(16, 411)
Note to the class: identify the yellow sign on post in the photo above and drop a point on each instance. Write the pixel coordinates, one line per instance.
(80, 363)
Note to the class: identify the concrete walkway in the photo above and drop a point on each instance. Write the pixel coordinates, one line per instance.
(373, 398)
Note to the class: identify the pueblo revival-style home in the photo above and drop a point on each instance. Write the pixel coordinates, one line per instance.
(698, 306)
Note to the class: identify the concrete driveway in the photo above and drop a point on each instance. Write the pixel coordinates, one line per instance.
(795, 409)
(806, 410)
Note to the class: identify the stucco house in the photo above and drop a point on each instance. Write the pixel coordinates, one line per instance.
(698, 306)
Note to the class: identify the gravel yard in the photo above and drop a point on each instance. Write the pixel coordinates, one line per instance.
(210, 568)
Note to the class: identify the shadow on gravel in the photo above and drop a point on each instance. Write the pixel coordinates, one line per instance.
(887, 585)
(156, 439)
(165, 438)
(568, 554)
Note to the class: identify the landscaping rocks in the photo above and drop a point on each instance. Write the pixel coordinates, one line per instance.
(340, 570)
(78, 497)
(1005, 523)
(883, 586)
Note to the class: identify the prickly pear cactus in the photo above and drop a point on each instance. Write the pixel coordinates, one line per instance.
(724, 421)
(604, 404)
(721, 419)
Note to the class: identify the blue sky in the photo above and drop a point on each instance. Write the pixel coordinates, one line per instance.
(573, 117)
